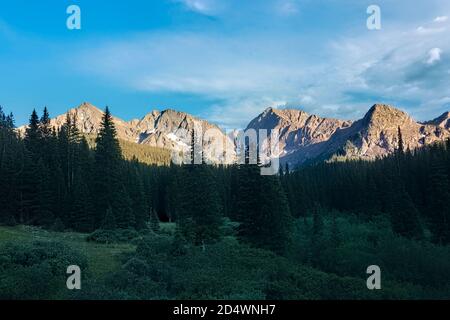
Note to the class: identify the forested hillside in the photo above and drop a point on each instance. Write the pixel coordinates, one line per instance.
(142, 153)
(236, 234)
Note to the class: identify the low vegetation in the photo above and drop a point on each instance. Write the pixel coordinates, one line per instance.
(325, 264)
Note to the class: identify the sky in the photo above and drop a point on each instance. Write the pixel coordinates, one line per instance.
(225, 60)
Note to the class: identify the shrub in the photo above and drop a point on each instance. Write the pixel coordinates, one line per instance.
(36, 270)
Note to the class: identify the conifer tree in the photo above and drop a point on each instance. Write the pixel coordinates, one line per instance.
(32, 135)
(44, 215)
(136, 192)
(200, 211)
(263, 210)
(10, 155)
(401, 147)
(110, 189)
(81, 210)
(29, 190)
(45, 130)
(438, 192)
(275, 223)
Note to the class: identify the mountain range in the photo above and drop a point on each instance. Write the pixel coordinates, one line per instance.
(304, 138)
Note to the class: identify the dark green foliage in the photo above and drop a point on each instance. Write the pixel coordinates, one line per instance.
(349, 245)
(35, 270)
(32, 134)
(53, 178)
(109, 222)
(154, 221)
(200, 213)
(410, 188)
(109, 185)
(263, 210)
(163, 268)
(438, 196)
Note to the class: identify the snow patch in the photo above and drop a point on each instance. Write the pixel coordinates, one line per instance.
(175, 139)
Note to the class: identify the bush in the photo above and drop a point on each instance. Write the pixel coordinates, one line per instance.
(36, 270)
(347, 246)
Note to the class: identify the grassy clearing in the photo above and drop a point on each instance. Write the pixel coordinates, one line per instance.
(102, 258)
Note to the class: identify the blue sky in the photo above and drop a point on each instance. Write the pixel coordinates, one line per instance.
(225, 60)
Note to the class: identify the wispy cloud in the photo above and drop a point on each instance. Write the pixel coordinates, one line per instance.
(429, 30)
(441, 19)
(205, 7)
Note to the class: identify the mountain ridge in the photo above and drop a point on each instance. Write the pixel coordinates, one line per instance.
(303, 138)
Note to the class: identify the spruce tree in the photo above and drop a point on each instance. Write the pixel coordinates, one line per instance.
(110, 188)
(10, 158)
(45, 130)
(44, 215)
(200, 215)
(29, 190)
(135, 187)
(81, 210)
(438, 192)
(200, 211)
(401, 146)
(263, 210)
(32, 135)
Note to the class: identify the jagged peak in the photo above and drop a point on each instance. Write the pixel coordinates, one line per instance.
(282, 112)
(442, 121)
(267, 111)
(381, 107)
(384, 112)
(444, 116)
(88, 106)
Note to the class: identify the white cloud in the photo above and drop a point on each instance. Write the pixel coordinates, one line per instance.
(441, 19)
(434, 55)
(426, 31)
(206, 7)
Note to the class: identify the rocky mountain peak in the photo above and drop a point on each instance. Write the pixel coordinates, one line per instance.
(442, 121)
(383, 114)
(88, 106)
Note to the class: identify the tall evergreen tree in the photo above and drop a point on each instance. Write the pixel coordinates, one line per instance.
(110, 190)
(200, 211)
(81, 210)
(32, 134)
(438, 192)
(44, 127)
(264, 215)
